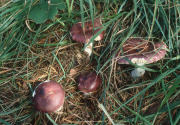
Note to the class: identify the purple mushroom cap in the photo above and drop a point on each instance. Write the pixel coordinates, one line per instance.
(49, 97)
(83, 35)
(141, 51)
(89, 82)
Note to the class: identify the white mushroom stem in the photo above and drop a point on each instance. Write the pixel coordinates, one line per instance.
(138, 72)
(88, 48)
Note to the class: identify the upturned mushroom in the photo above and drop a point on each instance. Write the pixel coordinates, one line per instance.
(84, 34)
(141, 52)
(49, 97)
(89, 82)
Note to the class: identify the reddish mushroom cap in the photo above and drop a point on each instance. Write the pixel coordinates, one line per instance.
(79, 35)
(141, 51)
(49, 97)
(89, 82)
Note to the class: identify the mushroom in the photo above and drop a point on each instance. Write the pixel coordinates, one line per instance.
(89, 82)
(83, 35)
(141, 52)
(49, 97)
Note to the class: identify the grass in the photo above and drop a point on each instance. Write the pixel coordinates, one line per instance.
(30, 53)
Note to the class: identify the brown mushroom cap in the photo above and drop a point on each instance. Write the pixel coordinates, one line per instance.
(141, 51)
(49, 97)
(89, 82)
(80, 35)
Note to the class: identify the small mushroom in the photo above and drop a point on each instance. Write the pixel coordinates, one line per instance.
(83, 35)
(49, 97)
(89, 82)
(141, 52)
